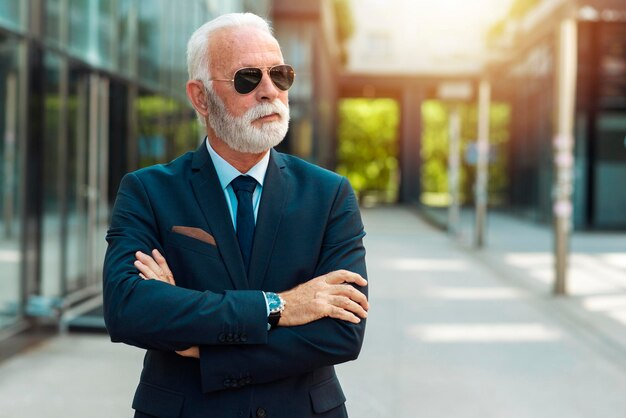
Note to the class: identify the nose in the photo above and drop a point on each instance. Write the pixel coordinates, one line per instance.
(266, 91)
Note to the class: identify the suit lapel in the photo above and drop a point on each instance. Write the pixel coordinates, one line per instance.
(210, 196)
(273, 199)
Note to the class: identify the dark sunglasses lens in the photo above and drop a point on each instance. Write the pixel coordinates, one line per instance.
(282, 76)
(247, 79)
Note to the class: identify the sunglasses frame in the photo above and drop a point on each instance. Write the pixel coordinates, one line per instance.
(263, 70)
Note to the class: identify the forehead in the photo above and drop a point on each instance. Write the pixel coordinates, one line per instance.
(233, 48)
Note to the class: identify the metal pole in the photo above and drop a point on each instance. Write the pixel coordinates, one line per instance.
(453, 170)
(482, 163)
(564, 147)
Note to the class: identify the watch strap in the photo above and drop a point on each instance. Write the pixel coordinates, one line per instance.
(273, 319)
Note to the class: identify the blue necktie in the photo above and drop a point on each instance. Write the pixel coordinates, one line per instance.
(244, 186)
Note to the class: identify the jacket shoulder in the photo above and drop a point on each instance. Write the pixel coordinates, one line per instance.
(301, 168)
(174, 168)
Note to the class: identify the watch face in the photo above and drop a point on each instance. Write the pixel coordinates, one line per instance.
(274, 302)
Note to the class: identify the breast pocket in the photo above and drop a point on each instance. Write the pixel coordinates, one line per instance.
(195, 264)
(188, 243)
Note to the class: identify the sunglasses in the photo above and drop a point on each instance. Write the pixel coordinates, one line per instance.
(247, 79)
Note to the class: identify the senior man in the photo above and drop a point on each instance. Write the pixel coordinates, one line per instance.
(239, 269)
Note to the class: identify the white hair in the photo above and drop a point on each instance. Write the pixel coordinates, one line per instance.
(198, 44)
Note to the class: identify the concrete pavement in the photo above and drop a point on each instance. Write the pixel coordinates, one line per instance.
(70, 376)
(452, 332)
(455, 332)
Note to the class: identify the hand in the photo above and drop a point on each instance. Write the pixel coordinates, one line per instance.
(154, 268)
(193, 352)
(330, 295)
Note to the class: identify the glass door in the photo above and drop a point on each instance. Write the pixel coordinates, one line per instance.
(75, 197)
(87, 172)
(11, 51)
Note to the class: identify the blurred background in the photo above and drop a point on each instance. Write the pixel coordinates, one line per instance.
(501, 124)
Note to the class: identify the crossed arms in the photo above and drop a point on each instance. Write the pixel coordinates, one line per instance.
(320, 326)
(329, 295)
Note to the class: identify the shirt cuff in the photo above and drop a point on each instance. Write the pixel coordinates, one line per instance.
(267, 304)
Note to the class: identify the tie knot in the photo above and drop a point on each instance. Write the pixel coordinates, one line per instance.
(245, 183)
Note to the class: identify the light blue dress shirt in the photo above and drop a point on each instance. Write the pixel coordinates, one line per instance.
(227, 173)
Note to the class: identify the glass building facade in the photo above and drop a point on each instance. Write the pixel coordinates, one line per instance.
(93, 89)
(599, 171)
(89, 90)
(307, 33)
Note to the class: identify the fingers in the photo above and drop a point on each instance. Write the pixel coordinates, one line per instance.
(144, 271)
(350, 292)
(344, 276)
(154, 267)
(338, 313)
(349, 305)
(150, 264)
(337, 282)
(344, 301)
(163, 265)
(193, 352)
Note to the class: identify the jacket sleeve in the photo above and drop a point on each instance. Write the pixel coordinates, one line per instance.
(154, 315)
(295, 350)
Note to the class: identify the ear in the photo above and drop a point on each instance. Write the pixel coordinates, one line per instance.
(197, 97)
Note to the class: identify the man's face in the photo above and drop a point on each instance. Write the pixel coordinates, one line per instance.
(264, 111)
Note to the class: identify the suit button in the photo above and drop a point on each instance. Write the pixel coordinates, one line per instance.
(221, 337)
(244, 337)
(260, 413)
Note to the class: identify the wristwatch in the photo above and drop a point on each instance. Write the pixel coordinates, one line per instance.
(276, 305)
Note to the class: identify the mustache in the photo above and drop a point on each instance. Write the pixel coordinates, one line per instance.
(265, 109)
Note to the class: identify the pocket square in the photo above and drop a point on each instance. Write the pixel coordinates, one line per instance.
(196, 233)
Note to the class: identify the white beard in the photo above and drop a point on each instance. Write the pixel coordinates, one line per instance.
(239, 133)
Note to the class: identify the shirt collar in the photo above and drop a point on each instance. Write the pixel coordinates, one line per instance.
(227, 173)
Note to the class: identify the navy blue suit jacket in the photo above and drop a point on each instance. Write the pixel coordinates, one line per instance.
(308, 224)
